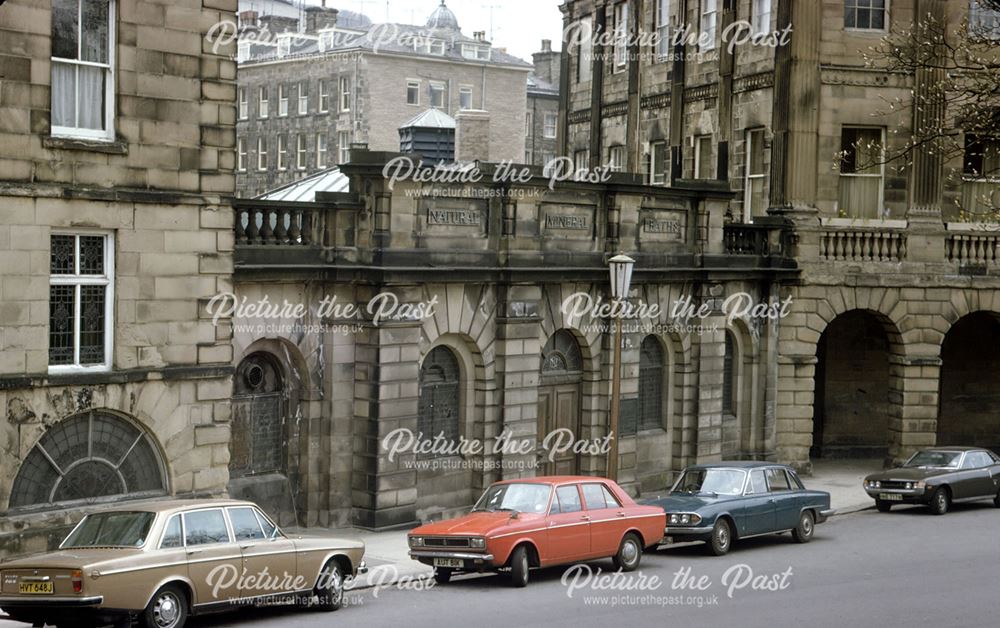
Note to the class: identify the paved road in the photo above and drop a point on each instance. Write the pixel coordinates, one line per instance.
(908, 568)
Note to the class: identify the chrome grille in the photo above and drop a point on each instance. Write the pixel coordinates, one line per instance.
(455, 541)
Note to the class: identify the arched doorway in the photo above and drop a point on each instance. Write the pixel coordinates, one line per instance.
(970, 383)
(851, 406)
(440, 397)
(559, 400)
(89, 457)
(258, 443)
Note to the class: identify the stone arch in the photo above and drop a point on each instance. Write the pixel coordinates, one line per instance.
(858, 394)
(99, 454)
(969, 390)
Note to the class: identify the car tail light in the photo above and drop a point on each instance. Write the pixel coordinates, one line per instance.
(77, 580)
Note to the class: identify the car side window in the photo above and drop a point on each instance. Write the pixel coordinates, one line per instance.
(610, 498)
(172, 536)
(593, 496)
(970, 461)
(758, 485)
(777, 480)
(978, 460)
(202, 527)
(569, 499)
(268, 527)
(245, 525)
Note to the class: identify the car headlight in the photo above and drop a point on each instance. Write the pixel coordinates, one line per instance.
(477, 542)
(416, 541)
(684, 519)
(921, 485)
(873, 484)
(909, 486)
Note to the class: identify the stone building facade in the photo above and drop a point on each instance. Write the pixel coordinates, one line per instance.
(878, 356)
(490, 340)
(542, 115)
(115, 229)
(305, 97)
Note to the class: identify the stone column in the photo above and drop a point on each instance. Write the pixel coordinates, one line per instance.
(711, 361)
(518, 361)
(793, 416)
(913, 395)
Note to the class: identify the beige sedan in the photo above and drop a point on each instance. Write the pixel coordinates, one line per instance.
(160, 562)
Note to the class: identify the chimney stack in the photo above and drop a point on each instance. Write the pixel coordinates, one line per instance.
(546, 45)
(547, 63)
(248, 19)
(318, 18)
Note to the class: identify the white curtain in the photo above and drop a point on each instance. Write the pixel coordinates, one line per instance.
(63, 94)
(91, 97)
(859, 196)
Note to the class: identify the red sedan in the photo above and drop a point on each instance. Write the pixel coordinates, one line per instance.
(528, 523)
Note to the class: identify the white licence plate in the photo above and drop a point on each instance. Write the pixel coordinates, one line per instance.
(454, 563)
(890, 497)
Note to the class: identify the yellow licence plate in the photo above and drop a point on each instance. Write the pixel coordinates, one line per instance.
(33, 588)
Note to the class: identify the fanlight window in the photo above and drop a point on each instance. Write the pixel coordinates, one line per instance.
(87, 457)
(561, 354)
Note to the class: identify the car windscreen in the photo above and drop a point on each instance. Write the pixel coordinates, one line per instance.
(115, 529)
(515, 497)
(934, 458)
(718, 481)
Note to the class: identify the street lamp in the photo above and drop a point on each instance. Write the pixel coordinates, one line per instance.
(621, 276)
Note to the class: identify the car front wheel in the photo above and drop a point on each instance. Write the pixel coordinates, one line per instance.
(883, 506)
(940, 501)
(330, 588)
(167, 609)
(629, 553)
(803, 533)
(722, 538)
(519, 567)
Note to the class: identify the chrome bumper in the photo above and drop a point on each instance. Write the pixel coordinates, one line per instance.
(488, 558)
(687, 530)
(363, 568)
(50, 601)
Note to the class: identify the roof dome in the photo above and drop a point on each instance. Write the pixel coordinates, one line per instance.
(442, 17)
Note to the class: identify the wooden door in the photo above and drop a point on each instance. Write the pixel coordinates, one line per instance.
(558, 409)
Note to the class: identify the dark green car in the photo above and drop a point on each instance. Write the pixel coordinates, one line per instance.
(723, 502)
(937, 478)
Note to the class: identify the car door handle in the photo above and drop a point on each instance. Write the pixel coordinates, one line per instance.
(246, 546)
(193, 551)
(585, 518)
(621, 514)
(771, 501)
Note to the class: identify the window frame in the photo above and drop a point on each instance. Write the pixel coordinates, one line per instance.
(107, 279)
(708, 44)
(243, 103)
(620, 46)
(978, 27)
(261, 154)
(413, 86)
(616, 157)
(222, 511)
(881, 173)
(662, 14)
(748, 148)
(300, 151)
(241, 154)
(462, 91)
(655, 147)
(698, 140)
(554, 117)
(345, 94)
(857, 29)
(303, 98)
(343, 148)
(107, 134)
(263, 102)
(282, 164)
(322, 98)
(321, 153)
(282, 100)
(435, 86)
(760, 21)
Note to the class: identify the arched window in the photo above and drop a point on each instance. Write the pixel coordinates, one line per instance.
(561, 354)
(85, 457)
(729, 376)
(439, 395)
(651, 385)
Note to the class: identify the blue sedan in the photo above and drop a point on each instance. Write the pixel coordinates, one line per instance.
(722, 502)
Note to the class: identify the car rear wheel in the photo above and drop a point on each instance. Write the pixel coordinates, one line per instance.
(330, 588)
(629, 553)
(519, 567)
(803, 533)
(442, 575)
(940, 501)
(883, 506)
(722, 538)
(167, 609)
